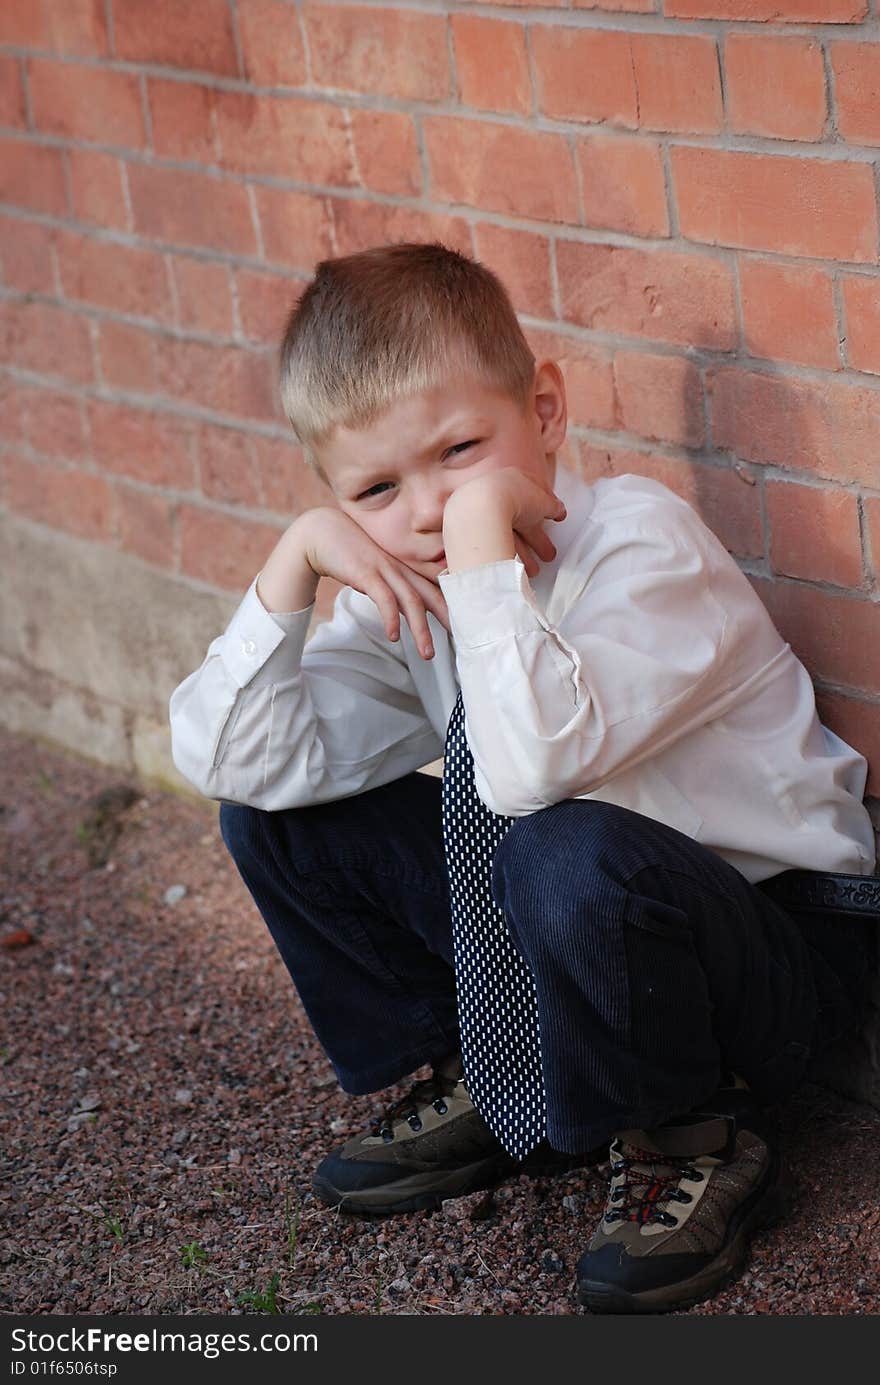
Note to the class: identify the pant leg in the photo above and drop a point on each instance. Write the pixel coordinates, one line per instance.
(356, 896)
(657, 967)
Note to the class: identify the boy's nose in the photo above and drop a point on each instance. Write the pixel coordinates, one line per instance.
(427, 510)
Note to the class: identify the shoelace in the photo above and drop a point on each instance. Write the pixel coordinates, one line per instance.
(430, 1091)
(640, 1199)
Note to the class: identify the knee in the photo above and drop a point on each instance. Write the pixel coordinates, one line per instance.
(558, 860)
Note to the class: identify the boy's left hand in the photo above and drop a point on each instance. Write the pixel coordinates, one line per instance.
(487, 515)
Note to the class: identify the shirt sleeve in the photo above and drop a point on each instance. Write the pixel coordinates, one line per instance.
(634, 661)
(274, 723)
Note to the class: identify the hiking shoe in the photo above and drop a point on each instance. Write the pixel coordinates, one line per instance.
(429, 1145)
(683, 1203)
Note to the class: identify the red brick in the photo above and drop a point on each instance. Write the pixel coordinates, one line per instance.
(501, 168)
(661, 295)
(584, 74)
(589, 386)
(46, 339)
(119, 277)
(12, 108)
(775, 86)
(522, 262)
(512, 4)
(89, 103)
(176, 33)
(834, 636)
(725, 500)
(12, 419)
(788, 313)
(127, 356)
(492, 64)
(777, 11)
(264, 304)
(660, 397)
(360, 224)
(858, 724)
(204, 297)
(623, 185)
(226, 466)
(399, 53)
(285, 136)
(861, 296)
(824, 427)
(146, 525)
(795, 206)
(297, 228)
(272, 43)
(63, 497)
(223, 550)
(55, 423)
(871, 507)
(678, 83)
(387, 152)
(26, 255)
(23, 26)
(63, 26)
(287, 484)
(98, 188)
(814, 533)
(191, 209)
(230, 381)
(631, 6)
(33, 177)
(142, 444)
(182, 115)
(856, 68)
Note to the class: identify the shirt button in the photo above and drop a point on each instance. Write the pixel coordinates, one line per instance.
(249, 647)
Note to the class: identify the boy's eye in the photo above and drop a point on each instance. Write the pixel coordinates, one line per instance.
(374, 490)
(461, 446)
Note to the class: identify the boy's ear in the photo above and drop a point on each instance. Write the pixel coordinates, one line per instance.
(550, 405)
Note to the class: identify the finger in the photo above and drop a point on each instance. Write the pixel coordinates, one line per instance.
(384, 598)
(413, 609)
(526, 556)
(430, 593)
(541, 543)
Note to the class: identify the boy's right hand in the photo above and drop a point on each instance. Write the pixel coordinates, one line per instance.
(329, 544)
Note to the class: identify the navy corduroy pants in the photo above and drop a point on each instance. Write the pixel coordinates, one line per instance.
(658, 966)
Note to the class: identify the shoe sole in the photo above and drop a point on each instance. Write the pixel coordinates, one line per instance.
(420, 1191)
(727, 1266)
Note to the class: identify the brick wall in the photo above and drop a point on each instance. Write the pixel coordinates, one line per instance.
(682, 196)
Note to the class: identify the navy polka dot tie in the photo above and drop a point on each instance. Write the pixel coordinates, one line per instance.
(497, 1005)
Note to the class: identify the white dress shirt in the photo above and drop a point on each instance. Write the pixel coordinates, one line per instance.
(639, 668)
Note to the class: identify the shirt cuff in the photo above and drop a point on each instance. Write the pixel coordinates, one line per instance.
(491, 602)
(255, 636)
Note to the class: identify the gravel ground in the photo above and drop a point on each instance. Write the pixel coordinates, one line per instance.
(164, 1103)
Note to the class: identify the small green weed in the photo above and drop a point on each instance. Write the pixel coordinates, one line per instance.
(193, 1255)
(263, 1302)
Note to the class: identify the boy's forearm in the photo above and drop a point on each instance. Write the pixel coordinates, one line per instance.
(287, 583)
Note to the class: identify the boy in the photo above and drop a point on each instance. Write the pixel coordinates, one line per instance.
(642, 755)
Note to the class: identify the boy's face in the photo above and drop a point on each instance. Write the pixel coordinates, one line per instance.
(394, 476)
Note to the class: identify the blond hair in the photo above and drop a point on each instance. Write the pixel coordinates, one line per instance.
(388, 322)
